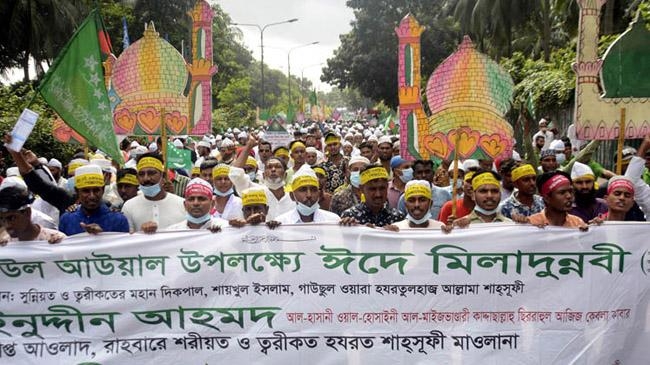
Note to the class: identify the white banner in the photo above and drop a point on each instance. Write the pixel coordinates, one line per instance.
(491, 294)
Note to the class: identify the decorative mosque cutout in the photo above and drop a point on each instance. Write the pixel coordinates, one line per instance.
(623, 74)
(151, 76)
(468, 96)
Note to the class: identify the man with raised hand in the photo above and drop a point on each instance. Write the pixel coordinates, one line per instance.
(198, 204)
(305, 189)
(154, 208)
(255, 209)
(374, 211)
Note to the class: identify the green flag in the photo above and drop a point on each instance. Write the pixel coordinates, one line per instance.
(530, 105)
(178, 158)
(74, 88)
(313, 100)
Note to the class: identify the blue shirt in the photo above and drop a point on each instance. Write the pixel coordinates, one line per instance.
(512, 205)
(439, 196)
(104, 217)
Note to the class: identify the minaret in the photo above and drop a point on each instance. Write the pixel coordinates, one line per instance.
(598, 117)
(411, 113)
(201, 69)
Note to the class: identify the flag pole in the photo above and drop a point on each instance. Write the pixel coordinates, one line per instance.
(621, 140)
(454, 189)
(163, 144)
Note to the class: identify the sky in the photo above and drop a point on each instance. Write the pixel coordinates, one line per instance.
(318, 21)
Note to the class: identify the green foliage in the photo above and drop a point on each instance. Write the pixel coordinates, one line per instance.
(236, 107)
(13, 99)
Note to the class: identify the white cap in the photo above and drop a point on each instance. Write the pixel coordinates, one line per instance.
(203, 143)
(372, 138)
(227, 143)
(42, 160)
(357, 159)
(311, 150)
(305, 170)
(153, 147)
(236, 130)
(12, 181)
(55, 163)
(134, 144)
(460, 167)
(13, 171)
(130, 164)
(140, 150)
(177, 143)
(385, 139)
(88, 170)
(104, 164)
(556, 145)
(542, 121)
(242, 135)
(581, 170)
(470, 164)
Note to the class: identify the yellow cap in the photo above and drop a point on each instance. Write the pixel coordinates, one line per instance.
(220, 170)
(250, 161)
(373, 173)
(253, 197)
(484, 179)
(128, 179)
(417, 188)
(521, 171)
(150, 162)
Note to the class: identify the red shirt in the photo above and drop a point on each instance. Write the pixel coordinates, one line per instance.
(461, 210)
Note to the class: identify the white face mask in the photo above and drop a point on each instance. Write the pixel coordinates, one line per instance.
(560, 157)
(307, 210)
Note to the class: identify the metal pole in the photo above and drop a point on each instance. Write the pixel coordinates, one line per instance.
(262, 62)
(289, 75)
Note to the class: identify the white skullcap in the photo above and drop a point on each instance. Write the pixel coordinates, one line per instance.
(88, 169)
(104, 164)
(347, 143)
(42, 160)
(357, 159)
(236, 130)
(153, 147)
(556, 145)
(581, 170)
(177, 143)
(55, 163)
(372, 138)
(13, 171)
(542, 121)
(460, 167)
(13, 181)
(134, 144)
(470, 164)
(385, 139)
(242, 135)
(219, 137)
(130, 164)
(140, 150)
(311, 150)
(203, 143)
(227, 143)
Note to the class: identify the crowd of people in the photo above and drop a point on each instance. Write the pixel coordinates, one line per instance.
(346, 173)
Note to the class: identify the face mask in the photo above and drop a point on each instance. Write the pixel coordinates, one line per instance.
(560, 157)
(150, 191)
(421, 220)
(407, 175)
(219, 193)
(307, 210)
(252, 175)
(355, 178)
(485, 212)
(201, 219)
(273, 185)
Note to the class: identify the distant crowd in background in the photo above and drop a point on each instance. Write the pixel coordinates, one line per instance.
(347, 173)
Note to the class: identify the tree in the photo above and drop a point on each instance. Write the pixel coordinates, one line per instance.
(367, 57)
(36, 29)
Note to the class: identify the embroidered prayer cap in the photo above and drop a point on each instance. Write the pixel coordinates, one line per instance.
(628, 153)
(88, 176)
(417, 188)
(546, 153)
(227, 143)
(582, 171)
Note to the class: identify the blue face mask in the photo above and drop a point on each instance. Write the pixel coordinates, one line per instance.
(407, 175)
(355, 178)
(199, 220)
(150, 191)
(485, 212)
(219, 193)
(252, 175)
(421, 220)
(560, 157)
(307, 210)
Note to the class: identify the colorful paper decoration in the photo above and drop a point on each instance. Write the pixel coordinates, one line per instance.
(624, 74)
(63, 133)
(151, 75)
(468, 95)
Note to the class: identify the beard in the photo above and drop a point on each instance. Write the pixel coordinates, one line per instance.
(585, 198)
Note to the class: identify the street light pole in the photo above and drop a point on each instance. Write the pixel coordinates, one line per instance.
(262, 29)
(289, 65)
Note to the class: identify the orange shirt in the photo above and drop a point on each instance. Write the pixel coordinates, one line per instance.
(461, 210)
(571, 221)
